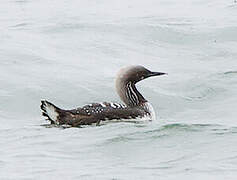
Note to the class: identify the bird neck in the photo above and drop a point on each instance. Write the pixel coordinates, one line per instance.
(130, 95)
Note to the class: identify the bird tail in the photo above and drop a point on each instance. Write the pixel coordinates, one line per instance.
(50, 111)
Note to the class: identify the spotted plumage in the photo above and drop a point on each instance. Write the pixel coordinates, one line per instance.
(136, 106)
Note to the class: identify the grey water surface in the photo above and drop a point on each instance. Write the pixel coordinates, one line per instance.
(68, 52)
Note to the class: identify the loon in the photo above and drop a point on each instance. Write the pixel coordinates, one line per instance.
(135, 105)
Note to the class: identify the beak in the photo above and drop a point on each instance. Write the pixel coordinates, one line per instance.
(157, 74)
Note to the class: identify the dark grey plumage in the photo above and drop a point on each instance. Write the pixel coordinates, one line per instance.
(136, 106)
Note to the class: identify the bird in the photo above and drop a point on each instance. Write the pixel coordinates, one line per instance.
(134, 105)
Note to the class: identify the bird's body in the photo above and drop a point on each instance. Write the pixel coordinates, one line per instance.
(136, 106)
(95, 113)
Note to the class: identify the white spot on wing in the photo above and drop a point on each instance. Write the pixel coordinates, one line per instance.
(123, 106)
(103, 105)
(112, 105)
(118, 105)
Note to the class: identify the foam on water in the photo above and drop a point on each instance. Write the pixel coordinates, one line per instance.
(69, 52)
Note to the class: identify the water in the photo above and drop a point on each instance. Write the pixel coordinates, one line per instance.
(68, 53)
